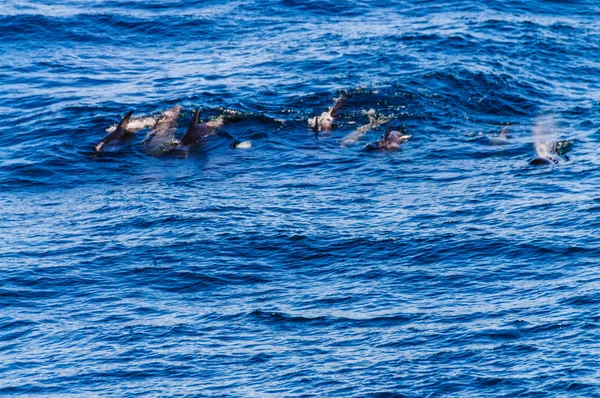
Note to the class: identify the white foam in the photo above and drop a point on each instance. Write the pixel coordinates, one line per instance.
(141, 123)
(135, 124)
(220, 120)
(216, 123)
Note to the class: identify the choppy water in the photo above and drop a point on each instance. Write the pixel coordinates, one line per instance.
(300, 266)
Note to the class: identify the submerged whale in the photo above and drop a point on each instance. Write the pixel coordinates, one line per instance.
(375, 120)
(161, 138)
(117, 135)
(500, 139)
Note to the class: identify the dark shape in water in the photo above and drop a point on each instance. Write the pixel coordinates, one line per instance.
(538, 161)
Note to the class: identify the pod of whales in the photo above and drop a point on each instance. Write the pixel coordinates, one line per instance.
(161, 137)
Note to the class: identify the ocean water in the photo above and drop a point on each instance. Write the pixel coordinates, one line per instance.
(301, 266)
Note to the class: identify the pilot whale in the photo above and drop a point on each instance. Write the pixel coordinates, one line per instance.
(546, 154)
(196, 131)
(161, 138)
(326, 120)
(116, 135)
(391, 140)
(545, 144)
(375, 120)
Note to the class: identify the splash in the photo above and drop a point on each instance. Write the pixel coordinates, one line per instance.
(143, 122)
(228, 115)
(136, 124)
(216, 123)
(545, 135)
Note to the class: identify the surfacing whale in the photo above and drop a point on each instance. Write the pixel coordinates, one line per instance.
(326, 121)
(546, 154)
(117, 135)
(375, 120)
(196, 131)
(391, 140)
(241, 145)
(545, 144)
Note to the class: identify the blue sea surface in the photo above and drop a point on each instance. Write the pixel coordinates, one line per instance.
(301, 266)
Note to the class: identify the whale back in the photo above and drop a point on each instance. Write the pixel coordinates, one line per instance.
(195, 119)
(540, 161)
(116, 134)
(196, 130)
(124, 120)
(337, 107)
(316, 125)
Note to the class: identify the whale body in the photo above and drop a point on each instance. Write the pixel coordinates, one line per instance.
(545, 150)
(548, 160)
(196, 131)
(541, 162)
(162, 137)
(116, 135)
(326, 120)
(391, 140)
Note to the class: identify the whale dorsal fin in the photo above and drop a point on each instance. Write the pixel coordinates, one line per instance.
(316, 126)
(195, 119)
(388, 130)
(339, 104)
(125, 120)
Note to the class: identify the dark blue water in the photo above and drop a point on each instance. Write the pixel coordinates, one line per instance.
(300, 266)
